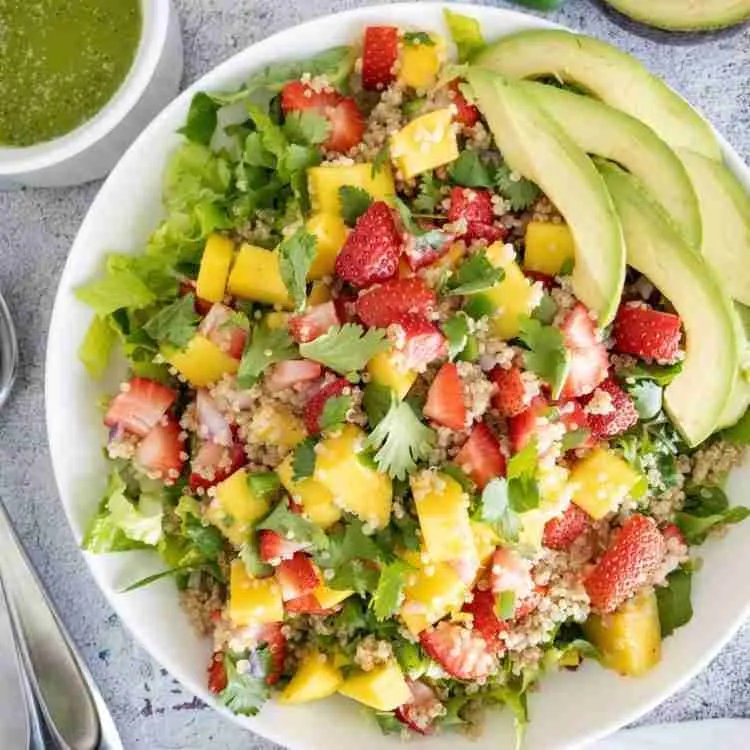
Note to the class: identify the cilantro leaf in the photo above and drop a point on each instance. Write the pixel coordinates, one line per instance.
(519, 192)
(267, 346)
(659, 374)
(345, 348)
(523, 488)
(474, 275)
(429, 194)
(415, 38)
(456, 330)
(175, 324)
(307, 127)
(354, 201)
(675, 607)
(334, 413)
(494, 509)
(390, 591)
(382, 158)
(293, 526)
(303, 460)
(296, 254)
(524, 463)
(376, 401)
(201, 120)
(246, 692)
(573, 438)
(465, 32)
(707, 508)
(546, 353)
(470, 171)
(546, 310)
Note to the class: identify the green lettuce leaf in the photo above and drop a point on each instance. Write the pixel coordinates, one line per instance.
(466, 34)
(97, 346)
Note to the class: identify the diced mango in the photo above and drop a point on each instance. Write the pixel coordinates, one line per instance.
(601, 481)
(253, 601)
(433, 590)
(235, 507)
(443, 511)
(316, 499)
(630, 638)
(426, 142)
(275, 424)
(485, 541)
(329, 598)
(548, 247)
(357, 486)
(385, 369)
(319, 293)
(201, 362)
(330, 235)
(214, 269)
(420, 60)
(276, 320)
(382, 688)
(256, 276)
(555, 496)
(315, 678)
(450, 261)
(324, 184)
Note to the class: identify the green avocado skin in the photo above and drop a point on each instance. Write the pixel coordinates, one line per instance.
(684, 15)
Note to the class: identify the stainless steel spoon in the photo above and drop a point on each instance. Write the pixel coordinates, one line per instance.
(8, 352)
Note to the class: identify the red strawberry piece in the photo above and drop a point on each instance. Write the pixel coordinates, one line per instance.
(615, 415)
(213, 463)
(561, 532)
(161, 453)
(421, 710)
(291, 372)
(573, 416)
(528, 604)
(297, 576)
(372, 249)
(273, 548)
(346, 306)
(461, 652)
(347, 125)
(628, 564)
(217, 674)
(272, 635)
(379, 55)
(419, 342)
(588, 356)
(297, 96)
(647, 333)
(486, 621)
(445, 399)
(212, 424)
(480, 456)
(479, 230)
(531, 422)
(548, 282)
(509, 571)
(382, 305)
(315, 405)
(510, 397)
(423, 250)
(308, 605)
(470, 204)
(220, 328)
(139, 406)
(467, 113)
(672, 531)
(201, 306)
(314, 322)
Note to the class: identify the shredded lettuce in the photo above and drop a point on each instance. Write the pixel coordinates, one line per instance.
(466, 34)
(97, 346)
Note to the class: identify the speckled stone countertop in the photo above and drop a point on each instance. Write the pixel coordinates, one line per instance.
(37, 228)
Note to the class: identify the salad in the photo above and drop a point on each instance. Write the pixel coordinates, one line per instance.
(434, 373)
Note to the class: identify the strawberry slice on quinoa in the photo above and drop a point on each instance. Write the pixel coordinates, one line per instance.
(217, 674)
(647, 333)
(291, 372)
(510, 398)
(385, 304)
(445, 399)
(274, 548)
(418, 341)
(481, 457)
(561, 532)
(470, 204)
(213, 463)
(273, 636)
(308, 605)
(461, 652)
(297, 576)
(139, 406)
(316, 404)
(422, 709)
(161, 454)
(485, 620)
(379, 56)
(609, 410)
(222, 329)
(314, 322)
(588, 356)
(547, 423)
(467, 114)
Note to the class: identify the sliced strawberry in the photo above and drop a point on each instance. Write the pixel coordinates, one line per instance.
(291, 372)
(510, 397)
(574, 417)
(347, 126)
(419, 342)
(422, 709)
(614, 415)
(561, 532)
(423, 250)
(480, 456)
(212, 424)
(509, 571)
(528, 604)
(382, 305)
(467, 113)
(161, 453)
(315, 405)
(273, 636)
(314, 322)
(346, 306)
(213, 463)
(647, 333)
(308, 605)
(372, 249)
(538, 421)
(139, 406)
(479, 230)
(461, 652)
(217, 674)
(486, 622)
(629, 563)
(201, 306)
(297, 576)
(588, 356)
(672, 531)
(470, 204)
(445, 399)
(220, 327)
(297, 96)
(273, 548)
(379, 55)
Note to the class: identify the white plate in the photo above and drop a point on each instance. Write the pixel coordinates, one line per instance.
(570, 709)
(726, 734)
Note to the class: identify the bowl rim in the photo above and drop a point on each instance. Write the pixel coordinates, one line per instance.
(155, 15)
(275, 733)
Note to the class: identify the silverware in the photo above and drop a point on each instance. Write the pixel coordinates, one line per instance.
(8, 352)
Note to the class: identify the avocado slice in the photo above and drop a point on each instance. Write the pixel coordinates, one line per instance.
(539, 149)
(684, 15)
(695, 400)
(739, 400)
(607, 132)
(608, 74)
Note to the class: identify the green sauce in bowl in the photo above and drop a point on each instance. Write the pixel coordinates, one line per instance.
(61, 61)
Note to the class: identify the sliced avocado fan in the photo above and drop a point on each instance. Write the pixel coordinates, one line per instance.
(607, 132)
(696, 399)
(607, 74)
(537, 148)
(684, 15)
(739, 399)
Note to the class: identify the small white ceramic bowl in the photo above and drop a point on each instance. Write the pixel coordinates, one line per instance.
(570, 709)
(92, 149)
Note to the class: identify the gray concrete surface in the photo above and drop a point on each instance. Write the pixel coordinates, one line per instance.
(36, 231)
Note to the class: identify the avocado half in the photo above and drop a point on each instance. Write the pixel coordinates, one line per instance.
(684, 15)
(697, 398)
(606, 73)
(536, 147)
(613, 135)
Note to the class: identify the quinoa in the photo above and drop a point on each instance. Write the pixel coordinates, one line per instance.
(371, 652)
(712, 463)
(201, 606)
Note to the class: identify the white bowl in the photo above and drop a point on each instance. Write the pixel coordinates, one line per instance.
(571, 708)
(92, 149)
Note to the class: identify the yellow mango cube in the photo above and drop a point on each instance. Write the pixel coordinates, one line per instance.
(214, 269)
(630, 638)
(432, 591)
(382, 688)
(427, 142)
(235, 508)
(330, 235)
(555, 495)
(329, 598)
(315, 498)
(443, 511)
(420, 60)
(201, 362)
(601, 481)
(385, 369)
(316, 678)
(548, 247)
(324, 184)
(320, 293)
(256, 276)
(357, 487)
(485, 541)
(275, 424)
(253, 601)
